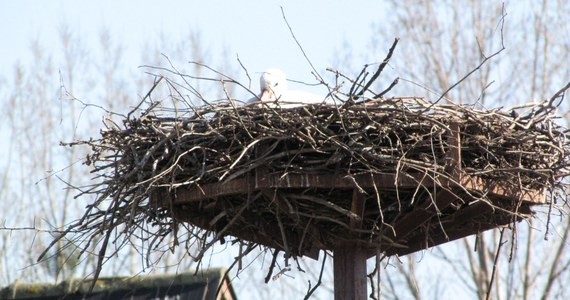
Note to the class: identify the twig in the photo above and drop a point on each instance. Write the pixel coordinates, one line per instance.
(379, 70)
(271, 266)
(384, 92)
(319, 281)
(300, 47)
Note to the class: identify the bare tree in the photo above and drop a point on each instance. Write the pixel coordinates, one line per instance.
(441, 41)
(62, 96)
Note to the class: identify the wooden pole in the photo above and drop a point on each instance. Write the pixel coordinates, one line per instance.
(349, 273)
(350, 259)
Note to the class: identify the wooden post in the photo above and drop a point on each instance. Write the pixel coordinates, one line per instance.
(349, 273)
(350, 259)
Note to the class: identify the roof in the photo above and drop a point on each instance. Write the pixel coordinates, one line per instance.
(203, 285)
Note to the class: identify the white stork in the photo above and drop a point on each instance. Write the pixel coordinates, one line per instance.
(274, 92)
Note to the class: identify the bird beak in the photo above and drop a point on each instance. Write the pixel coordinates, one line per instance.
(265, 96)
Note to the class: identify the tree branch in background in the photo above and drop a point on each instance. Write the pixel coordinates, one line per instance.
(271, 266)
(319, 281)
(495, 264)
(483, 62)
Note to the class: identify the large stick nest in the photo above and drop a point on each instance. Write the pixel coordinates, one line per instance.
(394, 175)
(148, 163)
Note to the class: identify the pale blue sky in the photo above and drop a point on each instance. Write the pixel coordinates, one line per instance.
(254, 30)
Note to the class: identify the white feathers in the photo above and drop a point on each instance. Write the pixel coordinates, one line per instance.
(274, 92)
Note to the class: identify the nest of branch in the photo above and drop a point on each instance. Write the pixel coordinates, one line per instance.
(392, 175)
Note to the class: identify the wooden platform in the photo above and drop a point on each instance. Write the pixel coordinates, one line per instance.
(454, 212)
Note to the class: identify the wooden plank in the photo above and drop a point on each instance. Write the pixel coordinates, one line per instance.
(213, 190)
(323, 181)
(461, 224)
(476, 184)
(269, 235)
(419, 240)
(327, 181)
(435, 239)
(358, 205)
(421, 214)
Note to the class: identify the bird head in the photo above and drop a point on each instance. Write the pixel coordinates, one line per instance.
(273, 85)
